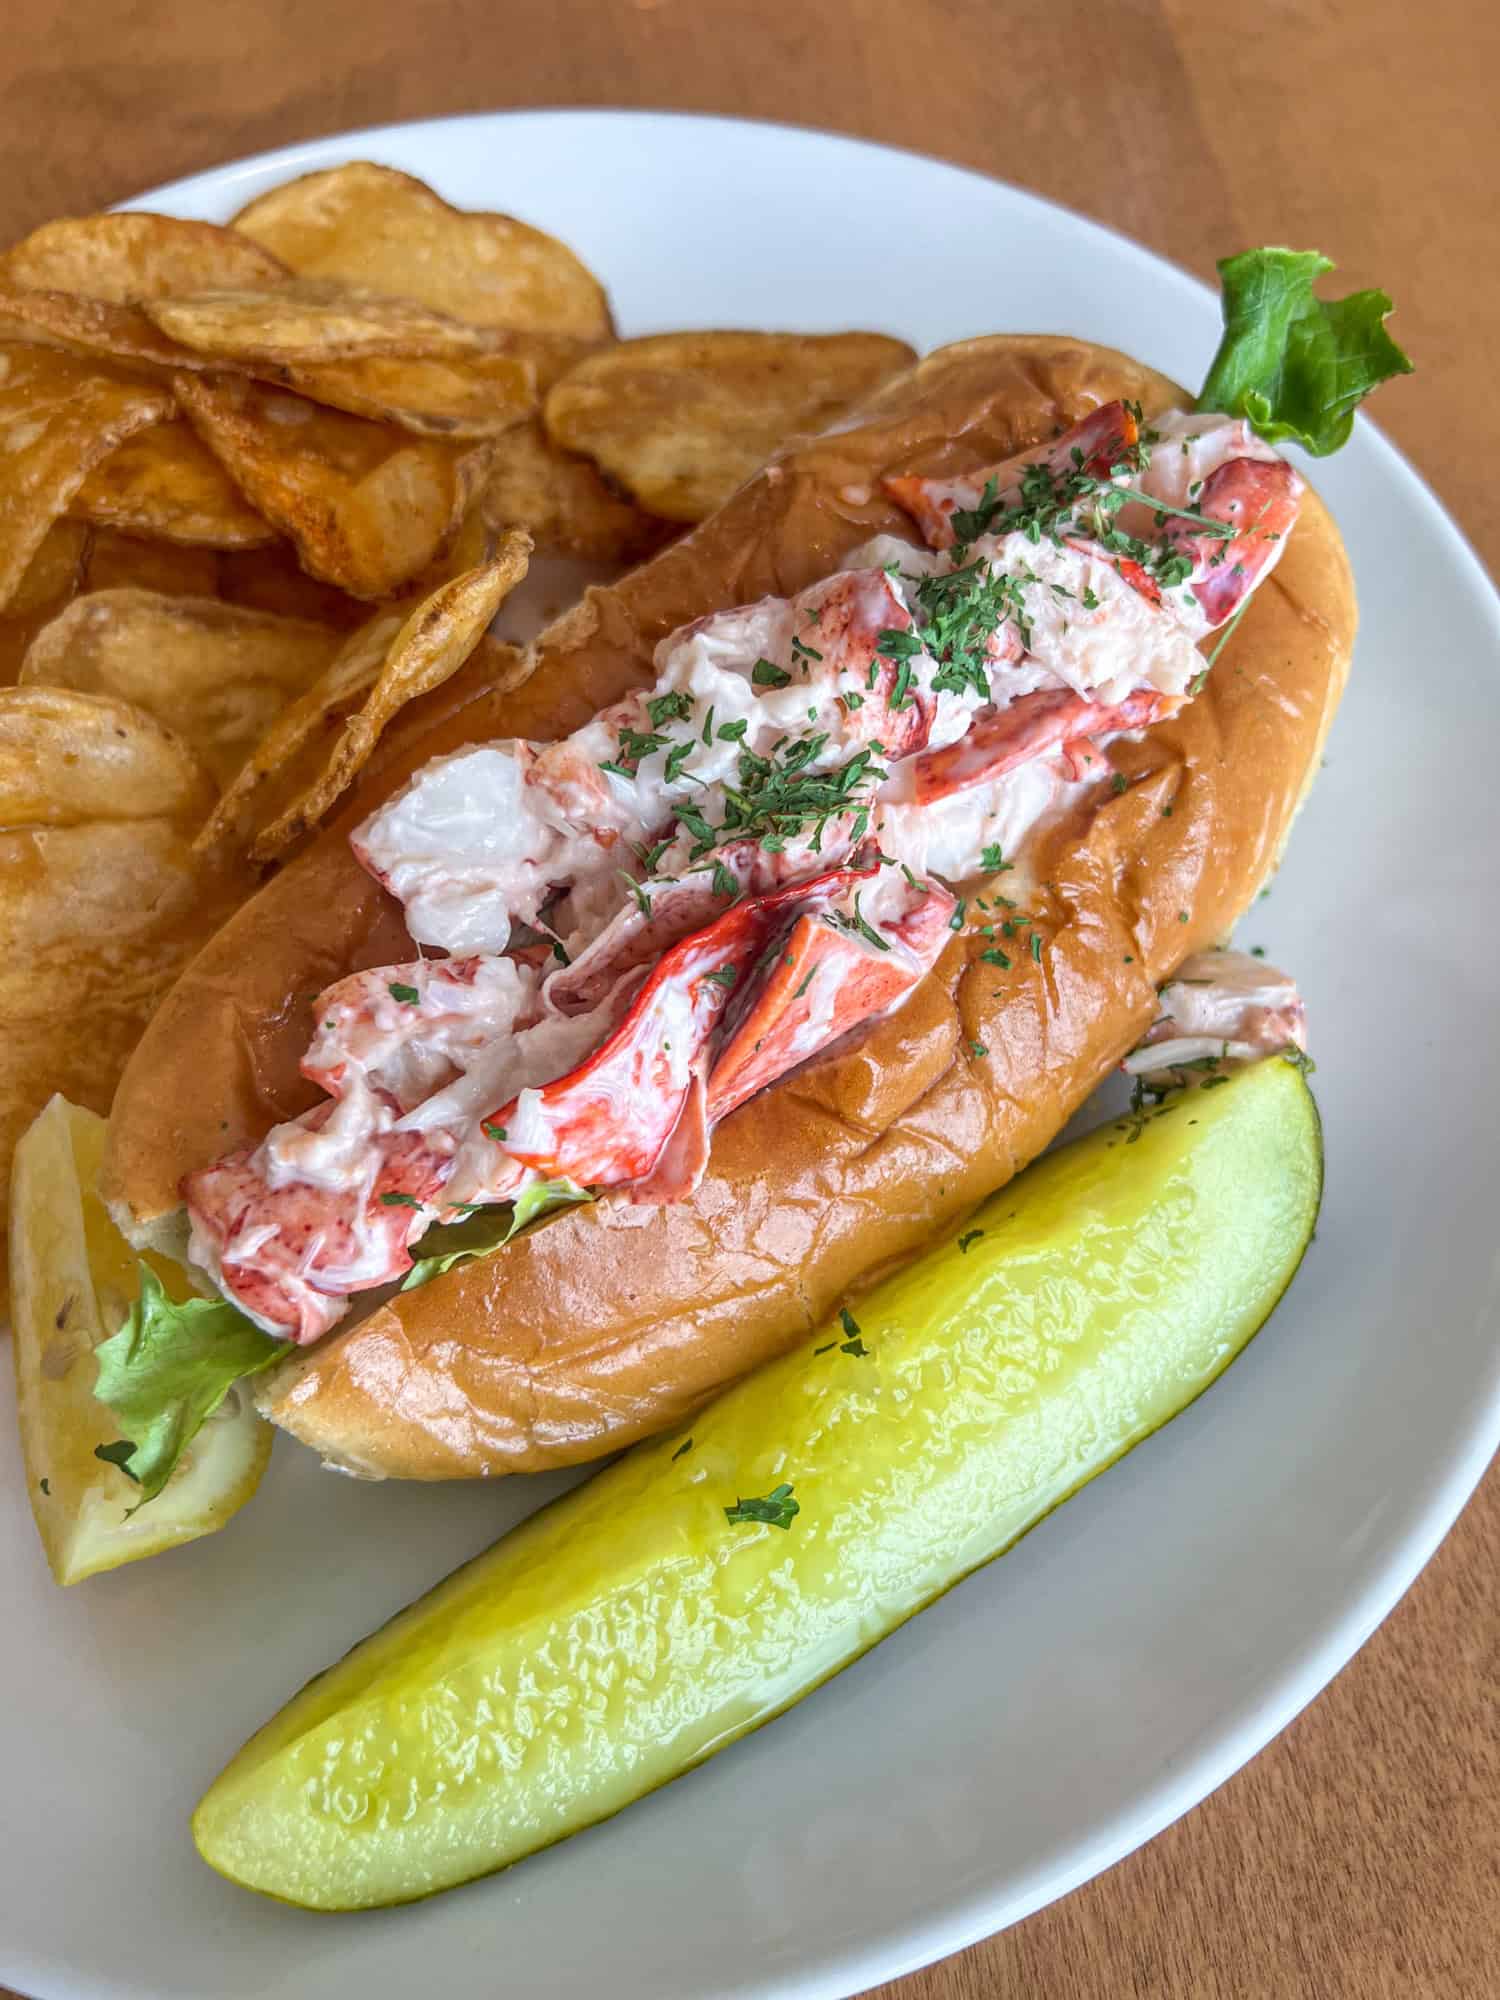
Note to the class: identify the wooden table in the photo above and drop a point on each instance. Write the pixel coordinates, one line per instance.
(1360, 1855)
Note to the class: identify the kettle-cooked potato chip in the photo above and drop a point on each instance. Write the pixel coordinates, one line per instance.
(17, 635)
(551, 355)
(167, 485)
(52, 577)
(67, 758)
(53, 572)
(468, 396)
(272, 579)
(309, 319)
(95, 327)
(295, 776)
(216, 674)
(58, 417)
(563, 503)
(366, 505)
(682, 419)
(175, 569)
(135, 255)
(373, 226)
(102, 899)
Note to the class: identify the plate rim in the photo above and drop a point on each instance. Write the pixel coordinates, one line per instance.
(1443, 1492)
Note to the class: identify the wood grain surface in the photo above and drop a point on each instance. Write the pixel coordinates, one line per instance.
(1359, 1857)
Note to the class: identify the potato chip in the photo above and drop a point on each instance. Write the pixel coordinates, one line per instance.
(469, 396)
(373, 226)
(136, 255)
(58, 418)
(166, 485)
(682, 419)
(52, 577)
(175, 569)
(296, 774)
(66, 758)
(54, 570)
(215, 673)
(102, 899)
(367, 506)
(563, 503)
(551, 355)
(311, 320)
(93, 327)
(17, 634)
(272, 579)
(430, 647)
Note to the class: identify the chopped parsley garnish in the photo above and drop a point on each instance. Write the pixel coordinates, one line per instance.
(724, 883)
(978, 1051)
(766, 674)
(855, 921)
(1119, 783)
(668, 707)
(394, 1200)
(778, 1509)
(495, 1132)
(956, 921)
(993, 861)
(811, 976)
(725, 976)
(637, 890)
(636, 744)
(649, 856)
(677, 756)
(407, 995)
(777, 798)
(994, 956)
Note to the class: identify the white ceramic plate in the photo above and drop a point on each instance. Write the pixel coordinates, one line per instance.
(1063, 1706)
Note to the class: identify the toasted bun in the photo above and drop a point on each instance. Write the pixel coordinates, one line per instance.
(615, 1321)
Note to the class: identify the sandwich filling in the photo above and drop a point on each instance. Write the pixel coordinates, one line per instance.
(624, 935)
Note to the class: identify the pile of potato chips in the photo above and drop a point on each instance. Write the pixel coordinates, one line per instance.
(262, 487)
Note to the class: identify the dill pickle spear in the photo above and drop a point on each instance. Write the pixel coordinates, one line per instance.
(708, 1579)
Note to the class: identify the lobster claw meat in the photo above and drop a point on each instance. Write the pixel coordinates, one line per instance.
(669, 910)
(607, 1121)
(1092, 445)
(828, 978)
(683, 1160)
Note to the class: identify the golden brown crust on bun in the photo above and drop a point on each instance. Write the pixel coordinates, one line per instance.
(614, 1321)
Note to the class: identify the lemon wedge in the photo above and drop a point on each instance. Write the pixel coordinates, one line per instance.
(73, 1279)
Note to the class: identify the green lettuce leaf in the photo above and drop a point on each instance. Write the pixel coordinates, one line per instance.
(165, 1373)
(450, 1243)
(1296, 365)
